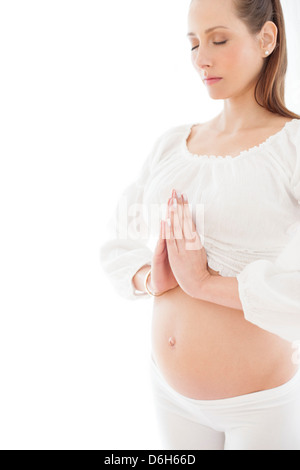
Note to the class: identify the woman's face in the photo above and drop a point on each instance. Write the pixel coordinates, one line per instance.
(237, 59)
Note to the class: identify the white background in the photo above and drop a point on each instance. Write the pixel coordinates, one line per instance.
(86, 87)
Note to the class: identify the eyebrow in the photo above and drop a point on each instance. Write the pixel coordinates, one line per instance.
(209, 30)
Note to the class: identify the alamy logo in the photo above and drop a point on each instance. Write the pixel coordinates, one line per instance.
(138, 221)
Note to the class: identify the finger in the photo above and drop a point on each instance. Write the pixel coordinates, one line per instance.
(187, 222)
(164, 231)
(162, 240)
(175, 217)
(171, 242)
(180, 209)
(188, 228)
(161, 233)
(167, 229)
(190, 231)
(168, 208)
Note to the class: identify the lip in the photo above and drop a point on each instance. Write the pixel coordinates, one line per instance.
(212, 80)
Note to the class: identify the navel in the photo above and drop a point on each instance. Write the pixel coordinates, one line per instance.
(172, 341)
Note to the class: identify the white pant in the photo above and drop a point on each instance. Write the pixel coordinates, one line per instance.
(267, 420)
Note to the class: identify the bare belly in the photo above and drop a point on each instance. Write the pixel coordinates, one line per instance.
(210, 352)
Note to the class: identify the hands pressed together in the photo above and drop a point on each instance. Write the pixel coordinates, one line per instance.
(179, 257)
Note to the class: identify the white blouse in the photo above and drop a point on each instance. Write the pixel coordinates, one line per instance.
(246, 210)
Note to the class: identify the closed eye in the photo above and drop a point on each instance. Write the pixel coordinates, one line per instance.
(216, 43)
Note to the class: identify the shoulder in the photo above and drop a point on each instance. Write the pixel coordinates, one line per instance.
(293, 134)
(285, 138)
(293, 129)
(290, 141)
(169, 140)
(296, 130)
(175, 132)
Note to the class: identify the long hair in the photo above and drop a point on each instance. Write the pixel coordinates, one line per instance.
(270, 88)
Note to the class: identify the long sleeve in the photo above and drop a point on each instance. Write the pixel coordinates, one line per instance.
(270, 291)
(127, 249)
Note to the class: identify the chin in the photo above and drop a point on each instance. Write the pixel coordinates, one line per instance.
(219, 96)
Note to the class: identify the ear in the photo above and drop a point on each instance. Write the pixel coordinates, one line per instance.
(268, 38)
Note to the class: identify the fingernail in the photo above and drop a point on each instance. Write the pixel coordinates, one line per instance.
(169, 222)
(175, 203)
(178, 195)
(184, 197)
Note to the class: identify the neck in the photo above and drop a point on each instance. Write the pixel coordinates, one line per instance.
(242, 113)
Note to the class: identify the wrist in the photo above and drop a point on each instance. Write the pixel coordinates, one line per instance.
(202, 290)
(149, 287)
(138, 279)
(148, 284)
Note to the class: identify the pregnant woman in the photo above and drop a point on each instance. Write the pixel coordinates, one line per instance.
(224, 276)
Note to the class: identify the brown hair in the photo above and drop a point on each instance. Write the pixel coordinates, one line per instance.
(270, 88)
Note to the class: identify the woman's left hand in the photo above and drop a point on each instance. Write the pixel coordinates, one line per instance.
(187, 256)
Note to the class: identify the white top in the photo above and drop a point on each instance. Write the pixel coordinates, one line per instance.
(246, 210)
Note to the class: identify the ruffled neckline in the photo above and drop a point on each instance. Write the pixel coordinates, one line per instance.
(242, 154)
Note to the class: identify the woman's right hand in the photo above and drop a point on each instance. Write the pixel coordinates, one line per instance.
(161, 278)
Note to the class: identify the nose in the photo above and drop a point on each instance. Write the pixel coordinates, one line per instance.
(202, 61)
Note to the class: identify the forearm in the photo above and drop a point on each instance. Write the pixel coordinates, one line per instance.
(139, 278)
(221, 291)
